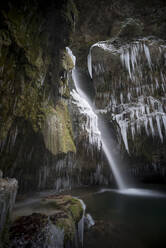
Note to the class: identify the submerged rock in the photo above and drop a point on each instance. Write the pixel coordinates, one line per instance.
(50, 222)
(89, 221)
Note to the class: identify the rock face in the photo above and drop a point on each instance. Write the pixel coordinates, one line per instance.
(129, 79)
(8, 190)
(98, 21)
(55, 222)
(41, 143)
(35, 126)
(129, 28)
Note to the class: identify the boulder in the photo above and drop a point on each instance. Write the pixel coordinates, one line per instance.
(52, 221)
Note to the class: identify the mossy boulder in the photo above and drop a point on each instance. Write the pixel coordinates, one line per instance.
(50, 220)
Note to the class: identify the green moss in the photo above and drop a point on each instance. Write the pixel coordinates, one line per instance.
(76, 209)
(68, 225)
(57, 130)
(74, 212)
(66, 131)
(66, 61)
(23, 69)
(66, 92)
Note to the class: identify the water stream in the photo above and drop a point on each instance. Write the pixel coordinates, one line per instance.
(100, 134)
(95, 133)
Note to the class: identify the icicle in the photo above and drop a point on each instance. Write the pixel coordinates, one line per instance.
(146, 126)
(151, 125)
(164, 122)
(127, 62)
(71, 55)
(133, 131)
(147, 54)
(124, 135)
(159, 127)
(90, 63)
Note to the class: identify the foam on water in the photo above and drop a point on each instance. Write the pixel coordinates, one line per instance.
(135, 192)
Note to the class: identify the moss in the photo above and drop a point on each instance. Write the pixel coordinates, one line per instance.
(59, 210)
(67, 137)
(23, 68)
(31, 39)
(26, 33)
(67, 62)
(66, 93)
(57, 130)
(76, 209)
(68, 225)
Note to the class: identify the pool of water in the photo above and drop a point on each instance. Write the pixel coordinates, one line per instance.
(126, 218)
(129, 218)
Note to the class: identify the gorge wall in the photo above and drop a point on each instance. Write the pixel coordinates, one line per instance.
(43, 143)
(126, 26)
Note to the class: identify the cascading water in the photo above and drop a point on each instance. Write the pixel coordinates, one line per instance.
(135, 96)
(95, 135)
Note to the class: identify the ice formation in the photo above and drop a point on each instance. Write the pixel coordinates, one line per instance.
(136, 96)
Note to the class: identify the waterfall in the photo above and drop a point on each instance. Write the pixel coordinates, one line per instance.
(96, 136)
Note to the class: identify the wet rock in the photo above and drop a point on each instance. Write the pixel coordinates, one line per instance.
(89, 222)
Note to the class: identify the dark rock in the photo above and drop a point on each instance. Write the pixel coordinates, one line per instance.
(8, 190)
